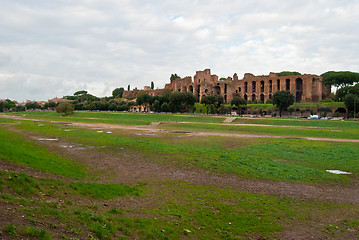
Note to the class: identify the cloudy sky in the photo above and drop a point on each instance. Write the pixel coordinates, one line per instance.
(54, 48)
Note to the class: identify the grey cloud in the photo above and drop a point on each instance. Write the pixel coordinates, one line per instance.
(101, 45)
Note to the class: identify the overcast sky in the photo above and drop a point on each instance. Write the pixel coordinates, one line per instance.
(54, 48)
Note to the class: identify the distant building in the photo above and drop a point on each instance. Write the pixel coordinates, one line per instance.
(304, 87)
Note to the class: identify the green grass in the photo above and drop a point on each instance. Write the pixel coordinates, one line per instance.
(104, 191)
(344, 133)
(34, 232)
(120, 118)
(11, 229)
(292, 160)
(15, 148)
(208, 212)
(334, 125)
(21, 184)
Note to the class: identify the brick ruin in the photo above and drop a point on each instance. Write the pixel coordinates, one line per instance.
(304, 87)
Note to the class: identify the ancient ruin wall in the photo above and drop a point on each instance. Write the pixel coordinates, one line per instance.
(305, 88)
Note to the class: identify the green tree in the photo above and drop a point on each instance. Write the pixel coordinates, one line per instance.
(80, 92)
(212, 102)
(351, 101)
(341, 92)
(118, 92)
(144, 99)
(152, 85)
(156, 106)
(174, 77)
(340, 79)
(238, 102)
(32, 105)
(283, 99)
(288, 73)
(65, 108)
(164, 107)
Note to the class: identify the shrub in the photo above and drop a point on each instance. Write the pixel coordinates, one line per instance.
(65, 108)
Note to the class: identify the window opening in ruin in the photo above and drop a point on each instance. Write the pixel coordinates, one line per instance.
(253, 86)
(246, 87)
(299, 89)
(190, 88)
(225, 88)
(270, 96)
(262, 86)
(179, 90)
(236, 91)
(198, 90)
(270, 85)
(287, 84)
(245, 97)
(278, 85)
(253, 97)
(185, 89)
(239, 89)
(199, 80)
(225, 98)
(206, 91)
(262, 97)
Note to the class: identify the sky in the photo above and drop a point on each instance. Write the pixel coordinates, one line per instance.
(54, 48)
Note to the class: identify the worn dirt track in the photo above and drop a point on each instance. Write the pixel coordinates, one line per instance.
(157, 127)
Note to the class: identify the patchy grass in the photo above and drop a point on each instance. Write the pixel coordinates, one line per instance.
(14, 148)
(347, 133)
(330, 124)
(181, 210)
(33, 232)
(104, 191)
(304, 161)
(120, 118)
(21, 184)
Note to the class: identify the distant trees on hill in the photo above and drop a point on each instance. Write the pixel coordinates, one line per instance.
(287, 73)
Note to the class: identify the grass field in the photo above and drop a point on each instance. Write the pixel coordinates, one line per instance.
(165, 182)
(121, 118)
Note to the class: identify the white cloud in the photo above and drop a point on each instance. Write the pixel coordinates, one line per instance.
(53, 48)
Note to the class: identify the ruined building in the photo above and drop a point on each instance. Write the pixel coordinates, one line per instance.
(305, 88)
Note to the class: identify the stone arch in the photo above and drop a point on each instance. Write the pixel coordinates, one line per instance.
(270, 85)
(262, 97)
(245, 86)
(245, 97)
(262, 86)
(190, 88)
(185, 89)
(217, 90)
(254, 86)
(340, 110)
(253, 97)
